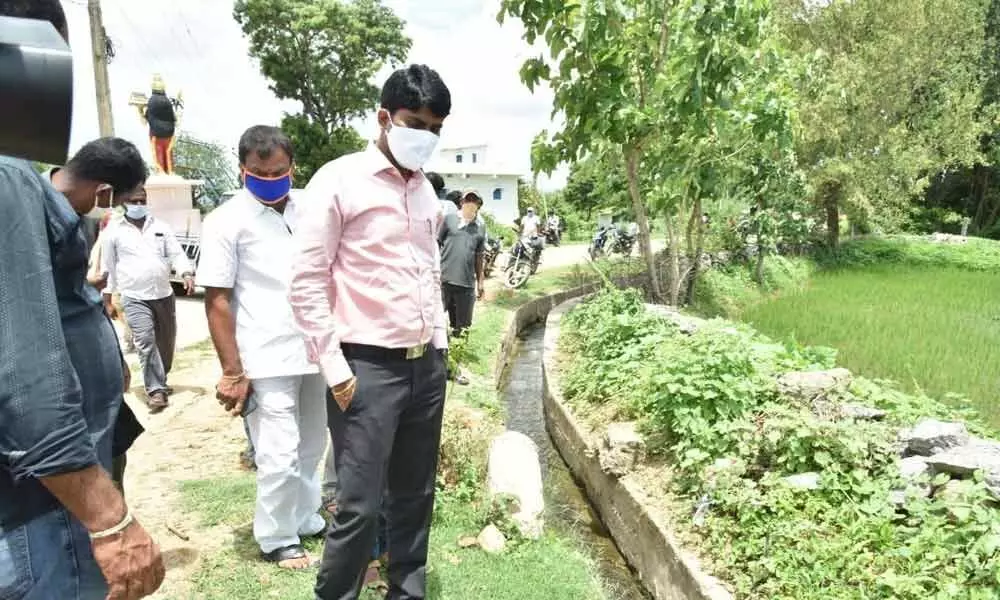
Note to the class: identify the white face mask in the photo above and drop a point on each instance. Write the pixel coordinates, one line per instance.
(99, 212)
(411, 148)
(136, 211)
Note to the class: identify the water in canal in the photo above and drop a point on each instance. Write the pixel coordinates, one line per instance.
(566, 505)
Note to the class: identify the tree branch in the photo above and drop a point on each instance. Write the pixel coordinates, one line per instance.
(661, 51)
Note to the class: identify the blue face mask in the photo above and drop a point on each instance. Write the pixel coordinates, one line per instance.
(269, 190)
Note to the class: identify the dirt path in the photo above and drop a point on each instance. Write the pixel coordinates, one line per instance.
(193, 439)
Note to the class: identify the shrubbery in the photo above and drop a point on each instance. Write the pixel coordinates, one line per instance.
(727, 291)
(708, 403)
(975, 254)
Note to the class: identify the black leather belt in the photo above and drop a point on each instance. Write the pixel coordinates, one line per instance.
(366, 352)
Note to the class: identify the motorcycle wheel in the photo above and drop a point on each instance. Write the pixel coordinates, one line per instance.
(517, 275)
(534, 267)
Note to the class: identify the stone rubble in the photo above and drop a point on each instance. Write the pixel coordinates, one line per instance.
(911, 470)
(859, 412)
(686, 324)
(803, 481)
(912, 467)
(492, 540)
(622, 450)
(811, 386)
(931, 436)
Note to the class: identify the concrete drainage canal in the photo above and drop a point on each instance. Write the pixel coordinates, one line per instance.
(567, 508)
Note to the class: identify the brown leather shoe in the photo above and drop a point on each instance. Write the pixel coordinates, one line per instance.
(157, 402)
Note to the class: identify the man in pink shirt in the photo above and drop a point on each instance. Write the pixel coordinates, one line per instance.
(365, 291)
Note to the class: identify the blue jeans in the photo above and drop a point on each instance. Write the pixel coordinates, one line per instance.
(49, 558)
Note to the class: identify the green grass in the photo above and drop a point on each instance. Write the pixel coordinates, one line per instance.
(549, 569)
(237, 571)
(931, 328)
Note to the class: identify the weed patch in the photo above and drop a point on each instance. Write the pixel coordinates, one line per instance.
(709, 406)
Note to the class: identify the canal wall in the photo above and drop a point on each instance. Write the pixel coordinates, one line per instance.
(665, 570)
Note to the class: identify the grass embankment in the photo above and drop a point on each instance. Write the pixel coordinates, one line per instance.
(902, 308)
(552, 568)
(708, 406)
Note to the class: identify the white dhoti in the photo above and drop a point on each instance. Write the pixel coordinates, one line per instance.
(289, 433)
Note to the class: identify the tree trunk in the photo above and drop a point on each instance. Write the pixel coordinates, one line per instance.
(758, 273)
(645, 245)
(699, 247)
(980, 180)
(674, 248)
(831, 202)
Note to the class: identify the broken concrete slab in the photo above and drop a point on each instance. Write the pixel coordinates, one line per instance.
(623, 449)
(514, 470)
(810, 386)
(931, 436)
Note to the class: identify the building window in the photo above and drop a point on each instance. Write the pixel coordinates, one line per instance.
(498, 194)
(474, 157)
(458, 158)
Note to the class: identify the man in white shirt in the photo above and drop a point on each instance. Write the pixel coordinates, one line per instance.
(245, 267)
(138, 252)
(530, 223)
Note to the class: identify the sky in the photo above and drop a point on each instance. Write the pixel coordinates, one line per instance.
(200, 51)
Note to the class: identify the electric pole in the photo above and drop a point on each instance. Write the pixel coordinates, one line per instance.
(99, 45)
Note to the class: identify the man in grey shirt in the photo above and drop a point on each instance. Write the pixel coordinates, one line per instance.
(462, 240)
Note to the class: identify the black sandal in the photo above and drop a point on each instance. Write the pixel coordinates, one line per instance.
(293, 552)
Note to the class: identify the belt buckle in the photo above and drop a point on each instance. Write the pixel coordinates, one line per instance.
(415, 352)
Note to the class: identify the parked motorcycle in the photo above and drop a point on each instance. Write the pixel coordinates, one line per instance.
(524, 259)
(624, 242)
(597, 243)
(612, 240)
(552, 236)
(490, 255)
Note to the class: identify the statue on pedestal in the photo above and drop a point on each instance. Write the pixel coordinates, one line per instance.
(161, 113)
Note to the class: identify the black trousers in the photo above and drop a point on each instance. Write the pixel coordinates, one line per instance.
(386, 441)
(459, 303)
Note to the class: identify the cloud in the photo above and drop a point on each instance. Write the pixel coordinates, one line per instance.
(199, 49)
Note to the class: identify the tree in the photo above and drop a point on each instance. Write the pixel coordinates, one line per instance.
(324, 54)
(595, 183)
(893, 97)
(957, 192)
(674, 90)
(212, 163)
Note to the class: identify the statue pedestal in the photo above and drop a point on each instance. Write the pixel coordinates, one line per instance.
(171, 199)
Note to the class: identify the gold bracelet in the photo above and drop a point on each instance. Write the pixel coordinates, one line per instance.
(235, 378)
(352, 383)
(116, 529)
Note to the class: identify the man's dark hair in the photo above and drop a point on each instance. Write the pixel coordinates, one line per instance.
(415, 87)
(262, 140)
(437, 182)
(110, 160)
(472, 198)
(455, 197)
(41, 10)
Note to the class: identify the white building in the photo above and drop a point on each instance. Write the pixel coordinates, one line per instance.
(470, 167)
